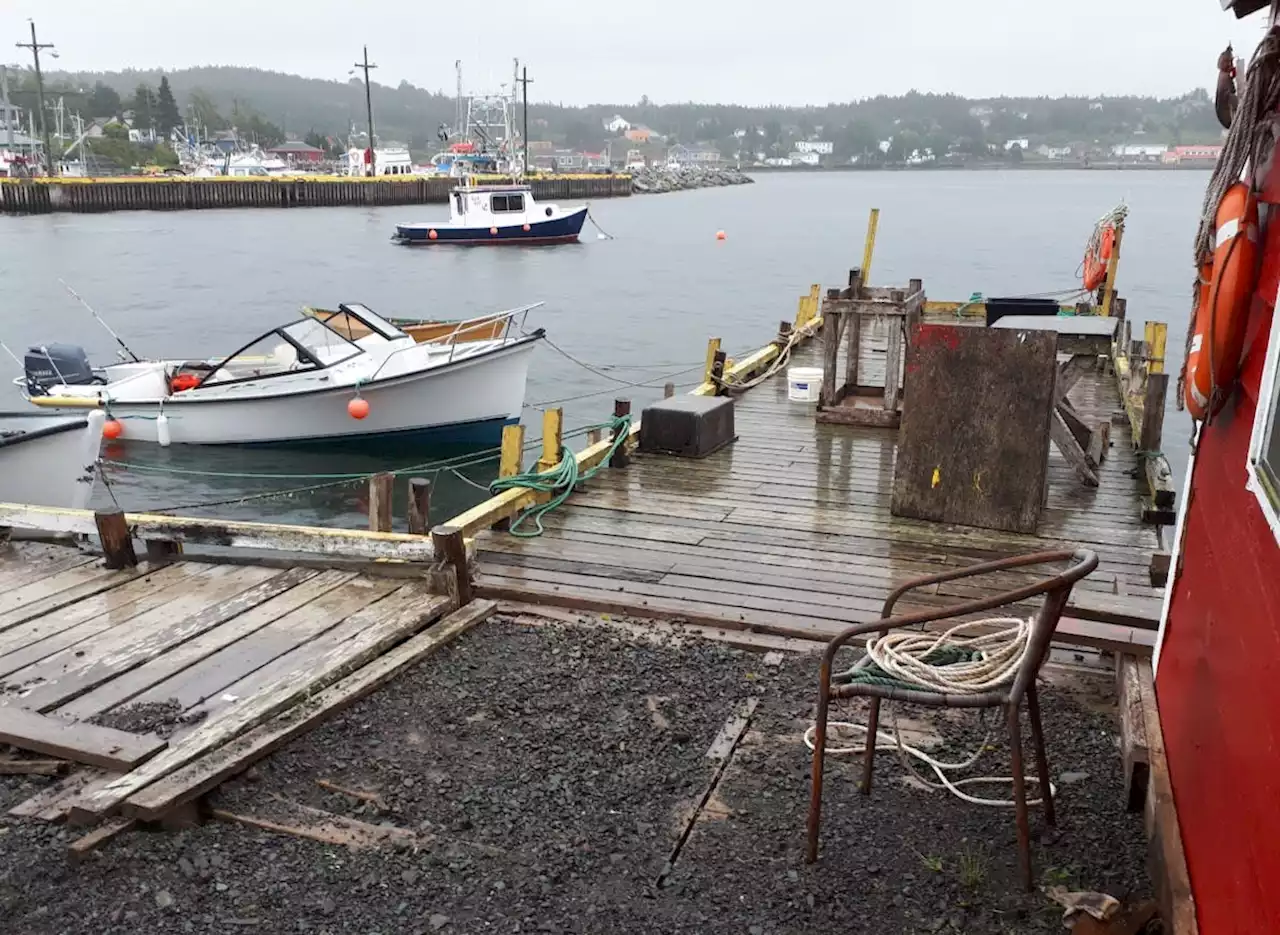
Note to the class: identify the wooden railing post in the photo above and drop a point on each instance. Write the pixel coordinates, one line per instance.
(718, 365)
(511, 462)
(668, 390)
(620, 458)
(117, 544)
(1157, 338)
(713, 348)
(451, 549)
(419, 506)
(552, 439)
(869, 245)
(381, 488)
(1153, 399)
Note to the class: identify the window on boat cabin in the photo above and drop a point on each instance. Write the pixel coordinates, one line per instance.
(498, 204)
(507, 203)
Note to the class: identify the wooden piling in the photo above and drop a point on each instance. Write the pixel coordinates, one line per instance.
(713, 348)
(381, 487)
(510, 461)
(419, 506)
(719, 364)
(552, 440)
(668, 390)
(620, 458)
(117, 543)
(451, 549)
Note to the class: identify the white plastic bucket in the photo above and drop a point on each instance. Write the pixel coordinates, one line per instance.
(803, 383)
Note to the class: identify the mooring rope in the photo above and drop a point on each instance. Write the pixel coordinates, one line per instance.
(559, 481)
(951, 663)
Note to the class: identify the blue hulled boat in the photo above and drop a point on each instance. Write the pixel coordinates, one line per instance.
(497, 214)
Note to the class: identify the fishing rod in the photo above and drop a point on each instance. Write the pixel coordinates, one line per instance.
(5, 348)
(75, 295)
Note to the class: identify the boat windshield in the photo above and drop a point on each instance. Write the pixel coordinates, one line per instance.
(308, 344)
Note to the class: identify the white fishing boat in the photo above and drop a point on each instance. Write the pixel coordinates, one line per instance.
(49, 459)
(304, 381)
(496, 215)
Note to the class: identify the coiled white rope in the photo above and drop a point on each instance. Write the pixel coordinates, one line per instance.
(901, 656)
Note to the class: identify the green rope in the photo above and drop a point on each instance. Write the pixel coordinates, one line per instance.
(974, 299)
(559, 481)
(943, 656)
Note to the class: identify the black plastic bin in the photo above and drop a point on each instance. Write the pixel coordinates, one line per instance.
(998, 308)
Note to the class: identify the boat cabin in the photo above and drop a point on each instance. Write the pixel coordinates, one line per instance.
(500, 205)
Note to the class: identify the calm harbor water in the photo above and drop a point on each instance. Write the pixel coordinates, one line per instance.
(640, 306)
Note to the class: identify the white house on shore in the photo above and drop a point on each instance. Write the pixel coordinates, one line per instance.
(817, 147)
(617, 124)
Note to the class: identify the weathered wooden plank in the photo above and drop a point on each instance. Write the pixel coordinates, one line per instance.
(977, 454)
(77, 669)
(184, 663)
(226, 671)
(1133, 732)
(325, 540)
(15, 573)
(1142, 613)
(79, 743)
(28, 604)
(48, 798)
(21, 766)
(1069, 447)
(1167, 857)
(377, 628)
(86, 844)
(204, 774)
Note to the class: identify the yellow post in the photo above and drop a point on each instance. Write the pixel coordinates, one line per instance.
(802, 311)
(869, 247)
(1157, 336)
(552, 423)
(511, 462)
(1109, 286)
(713, 348)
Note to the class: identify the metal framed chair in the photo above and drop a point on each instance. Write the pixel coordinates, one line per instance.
(1008, 695)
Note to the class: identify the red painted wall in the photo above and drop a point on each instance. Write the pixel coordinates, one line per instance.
(1218, 682)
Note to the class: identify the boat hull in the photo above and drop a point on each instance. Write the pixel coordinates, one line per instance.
(562, 229)
(466, 402)
(53, 462)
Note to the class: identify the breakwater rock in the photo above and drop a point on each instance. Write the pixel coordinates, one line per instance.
(655, 180)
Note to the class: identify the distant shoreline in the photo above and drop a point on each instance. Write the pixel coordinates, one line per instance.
(996, 167)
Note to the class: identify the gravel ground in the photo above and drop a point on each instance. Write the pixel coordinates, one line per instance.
(546, 772)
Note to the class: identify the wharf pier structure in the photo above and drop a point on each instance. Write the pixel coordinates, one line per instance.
(94, 195)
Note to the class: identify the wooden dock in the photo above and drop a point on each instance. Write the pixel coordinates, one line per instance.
(49, 195)
(158, 679)
(788, 531)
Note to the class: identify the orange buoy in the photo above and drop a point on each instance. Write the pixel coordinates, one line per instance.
(1096, 261)
(183, 381)
(527, 227)
(112, 429)
(431, 234)
(1221, 314)
(720, 235)
(358, 408)
(494, 231)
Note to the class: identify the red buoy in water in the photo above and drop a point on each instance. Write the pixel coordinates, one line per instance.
(431, 234)
(358, 408)
(112, 429)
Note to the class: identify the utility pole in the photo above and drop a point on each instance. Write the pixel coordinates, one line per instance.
(35, 48)
(368, 106)
(524, 80)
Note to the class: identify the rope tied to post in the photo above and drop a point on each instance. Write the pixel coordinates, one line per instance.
(558, 482)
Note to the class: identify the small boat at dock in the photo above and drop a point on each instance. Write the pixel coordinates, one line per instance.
(305, 381)
(496, 214)
(47, 459)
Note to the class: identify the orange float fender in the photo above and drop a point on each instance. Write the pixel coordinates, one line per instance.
(1221, 315)
(183, 381)
(1095, 261)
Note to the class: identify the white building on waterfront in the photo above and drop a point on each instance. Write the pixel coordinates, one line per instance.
(617, 124)
(817, 147)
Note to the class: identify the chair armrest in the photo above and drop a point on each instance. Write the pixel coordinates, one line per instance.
(1083, 562)
(1003, 564)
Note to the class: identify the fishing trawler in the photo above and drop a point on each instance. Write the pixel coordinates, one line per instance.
(497, 214)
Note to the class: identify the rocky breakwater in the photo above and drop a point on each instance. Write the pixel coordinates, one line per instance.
(655, 180)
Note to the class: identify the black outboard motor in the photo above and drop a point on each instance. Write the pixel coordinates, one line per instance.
(52, 364)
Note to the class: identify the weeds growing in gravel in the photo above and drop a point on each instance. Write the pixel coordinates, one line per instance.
(973, 867)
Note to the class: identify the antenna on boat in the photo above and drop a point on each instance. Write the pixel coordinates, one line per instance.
(5, 347)
(75, 295)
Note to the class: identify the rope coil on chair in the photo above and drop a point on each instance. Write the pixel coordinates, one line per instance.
(947, 663)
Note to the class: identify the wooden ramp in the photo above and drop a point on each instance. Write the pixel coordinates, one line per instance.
(789, 531)
(151, 673)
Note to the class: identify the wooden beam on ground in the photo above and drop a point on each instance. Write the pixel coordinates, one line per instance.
(48, 803)
(15, 766)
(345, 543)
(82, 847)
(1133, 732)
(77, 742)
(1122, 610)
(1167, 858)
(1159, 569)
(389, 621)
(449, 543)
(207, 772)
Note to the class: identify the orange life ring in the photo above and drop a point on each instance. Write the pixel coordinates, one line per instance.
(183, 381)
(1095, 261)
(1222, 303)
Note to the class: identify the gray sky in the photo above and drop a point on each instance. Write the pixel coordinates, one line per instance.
(672, 50)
